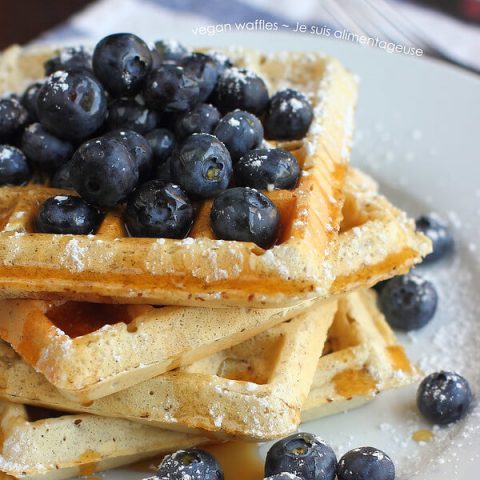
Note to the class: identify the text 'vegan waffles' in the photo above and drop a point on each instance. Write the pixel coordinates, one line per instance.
(252, 390)
(90, 351)
(111, 267)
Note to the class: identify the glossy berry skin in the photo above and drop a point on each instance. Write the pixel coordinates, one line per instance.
(164, 171)
(169, 88)
(72, 105)
(409, 302)
(240, 131)
(203, 118)
(168, 51)
(238, 88)
(444, 397)
(69, 59)
(304, 455)
(43, 149)
(267, 169)
(121, 62)
(162, 142)
(245, 215)
(13, 117)
(14, 169)
(61, 178)
(131, 114)
(66, 214)
(103, 171)
(202, 166)
(192, 464)
(366, 463)
(439, 233)
(159, 210)
(205, 69)
(139, 149)
(29, 100)
(288, 116)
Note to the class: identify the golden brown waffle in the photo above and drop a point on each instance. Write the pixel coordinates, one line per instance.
(40, 444)
(254, 390)
(111, 267)
(89, 351)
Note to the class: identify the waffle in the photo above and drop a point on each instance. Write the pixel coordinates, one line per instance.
(112, 347)
(110, 267)
(48, 445)
(255, 390)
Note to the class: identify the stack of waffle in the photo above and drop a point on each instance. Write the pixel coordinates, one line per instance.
(116, 349)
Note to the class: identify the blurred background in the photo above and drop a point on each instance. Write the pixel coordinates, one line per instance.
(446, 29)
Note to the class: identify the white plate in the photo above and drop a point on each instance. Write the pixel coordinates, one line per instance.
(418, 134)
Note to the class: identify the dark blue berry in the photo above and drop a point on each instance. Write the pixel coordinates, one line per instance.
(14, 169)
(366, 463)
(267, 169)
(240, 132)
(156, 209)
(204, 69)
(164, 171)
(288, 116)
(69, 59)
(238, 88)
(162, 142)
(245, 215)
(131, 114)
(139, 149)
(45, 151)
(66, 214)
(203, 118)
(61, 178)
(13, 117)
(202, 166)
(444, 397)
(439, 233)
(194, 464)
(103, 171)
(409, 302)
(304, 455)
(168, 51)
(72, 105)
(283, 476)
(29, 100)
(121, 62)
(379, 286)
(222, 60)
(169, 88)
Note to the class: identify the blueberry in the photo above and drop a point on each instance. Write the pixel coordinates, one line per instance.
(131, 114)
(241, 89)
(14, 169)
(439, 233)
(366, 463)
(444, 397)
(66, 214)
(283, 476)
(288, 116)
(72, 105)
(121, 62)
(170, 88)
(240, 132)
(222, 60)
(29, 99)
(139, 149)
(194, 464)
(203, 118)
(13, 117)
(203, 68)
(46, 151)
(304, 455)
(267, 169)
(202, 166)
(162, 142)
(164, 171)
(69, 59)
(169, 51)
(409, 302)
(61, 178)
(103, 172)
(245, 215)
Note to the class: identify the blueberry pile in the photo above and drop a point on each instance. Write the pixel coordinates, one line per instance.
(158, 128)
(301, 456)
